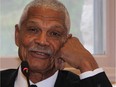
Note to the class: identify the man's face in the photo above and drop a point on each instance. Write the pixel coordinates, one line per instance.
(40, 36)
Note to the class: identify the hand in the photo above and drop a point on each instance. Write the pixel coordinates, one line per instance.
(74, 53)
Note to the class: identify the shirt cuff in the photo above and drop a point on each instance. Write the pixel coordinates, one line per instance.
(90, 73)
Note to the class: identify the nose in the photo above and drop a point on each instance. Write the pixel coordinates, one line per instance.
(41, 39)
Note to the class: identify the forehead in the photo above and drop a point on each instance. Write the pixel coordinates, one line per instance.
(46, 13)
(43, 14)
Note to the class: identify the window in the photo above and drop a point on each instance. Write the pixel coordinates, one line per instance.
(86, 24)
(10, 13)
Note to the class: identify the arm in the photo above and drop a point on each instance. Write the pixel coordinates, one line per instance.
(77, 56)
(74, 53)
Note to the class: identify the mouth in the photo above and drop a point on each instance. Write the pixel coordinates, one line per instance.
(40, 55)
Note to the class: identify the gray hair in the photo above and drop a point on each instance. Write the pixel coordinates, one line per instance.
(52, 4)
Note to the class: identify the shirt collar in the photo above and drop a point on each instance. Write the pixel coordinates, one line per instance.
(22, 82)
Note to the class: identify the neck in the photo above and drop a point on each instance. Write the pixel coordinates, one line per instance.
(39, 76)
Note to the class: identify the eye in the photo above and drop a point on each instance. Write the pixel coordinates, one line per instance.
(55, 34)
(33, 29)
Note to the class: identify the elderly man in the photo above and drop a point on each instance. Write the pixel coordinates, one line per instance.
(44, 42)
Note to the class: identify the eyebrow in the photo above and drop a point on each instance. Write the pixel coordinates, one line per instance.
(31, 22)
(58, 26)
(54, 26)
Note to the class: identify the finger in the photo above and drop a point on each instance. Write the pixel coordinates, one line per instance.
(59, 63)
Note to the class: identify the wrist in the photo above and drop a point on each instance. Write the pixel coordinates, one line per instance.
(87, 66)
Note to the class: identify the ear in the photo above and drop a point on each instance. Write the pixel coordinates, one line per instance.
(17, 34)
(69, 36)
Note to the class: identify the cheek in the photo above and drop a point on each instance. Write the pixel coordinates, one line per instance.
(56, 45)
(24, 43)
(26, 40)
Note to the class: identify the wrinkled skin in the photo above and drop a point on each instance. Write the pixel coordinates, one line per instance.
(44, 42)
(77, 56)
(39, 37)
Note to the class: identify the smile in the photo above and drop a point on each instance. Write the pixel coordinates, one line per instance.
(40, 55)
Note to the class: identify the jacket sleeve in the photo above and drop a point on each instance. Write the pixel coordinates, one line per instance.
(99, 80)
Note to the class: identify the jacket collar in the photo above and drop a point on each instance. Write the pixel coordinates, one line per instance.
(12, 79)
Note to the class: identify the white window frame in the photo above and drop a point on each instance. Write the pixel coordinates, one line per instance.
(107, 61)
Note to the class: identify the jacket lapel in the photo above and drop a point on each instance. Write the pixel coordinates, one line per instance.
(12, 79)
(67, 79)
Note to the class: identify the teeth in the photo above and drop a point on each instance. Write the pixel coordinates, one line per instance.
(40, 53)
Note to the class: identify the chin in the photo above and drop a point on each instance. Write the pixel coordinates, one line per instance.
(42, 67)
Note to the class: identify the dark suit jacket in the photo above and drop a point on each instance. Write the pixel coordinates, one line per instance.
(65, 79)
